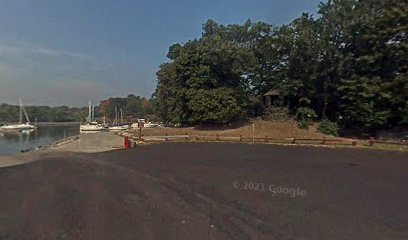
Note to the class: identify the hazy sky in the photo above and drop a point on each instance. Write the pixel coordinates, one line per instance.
(66, 52)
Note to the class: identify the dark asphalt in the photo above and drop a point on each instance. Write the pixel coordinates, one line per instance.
(208, 191)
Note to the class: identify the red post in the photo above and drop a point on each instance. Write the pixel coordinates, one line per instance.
(126, 142)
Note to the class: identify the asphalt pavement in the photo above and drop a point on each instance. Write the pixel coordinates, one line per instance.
(208, 191)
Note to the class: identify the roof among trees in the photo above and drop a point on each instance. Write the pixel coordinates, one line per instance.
(272, 92)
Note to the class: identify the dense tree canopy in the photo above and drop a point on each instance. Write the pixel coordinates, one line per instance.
(348, 64)
(132, 106)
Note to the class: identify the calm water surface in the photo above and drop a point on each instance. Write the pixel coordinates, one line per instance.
(15, 142)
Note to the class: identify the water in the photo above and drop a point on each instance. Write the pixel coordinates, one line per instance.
(15, 142)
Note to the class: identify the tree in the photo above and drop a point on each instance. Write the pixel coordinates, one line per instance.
(215, 66)
(374, 75)
(349, 63)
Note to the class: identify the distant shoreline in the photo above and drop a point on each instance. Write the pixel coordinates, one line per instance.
(50, 123)
(58, 123)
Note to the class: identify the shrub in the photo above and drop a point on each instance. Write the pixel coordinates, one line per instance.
(329, 128)
(305, 115)
(274, 113)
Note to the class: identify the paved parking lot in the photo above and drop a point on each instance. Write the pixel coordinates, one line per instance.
(208, 191)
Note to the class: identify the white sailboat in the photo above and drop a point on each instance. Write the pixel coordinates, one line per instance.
(146, 124)
(20, 126)
(151, 125)
(116, 126)
(91, 125)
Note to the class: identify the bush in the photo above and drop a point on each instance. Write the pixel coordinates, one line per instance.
(305, 116)
(273, 113)
(329, 128)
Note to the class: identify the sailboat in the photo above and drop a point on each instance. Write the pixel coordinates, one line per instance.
(116, 126)
(91, 125)
(20, 126)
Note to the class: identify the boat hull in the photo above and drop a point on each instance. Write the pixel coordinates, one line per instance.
(17, 127)
(151, 125)
(91, 128)
(119, 128)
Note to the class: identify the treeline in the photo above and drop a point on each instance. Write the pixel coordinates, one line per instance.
(11, 113)
(348, 65)
(132, 107)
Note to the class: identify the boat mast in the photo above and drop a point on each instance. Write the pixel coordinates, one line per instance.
(93, 113)
(116, 116)
(23, 110)
(89, 111)
(26, 114)
(121, 116)
(20, 104)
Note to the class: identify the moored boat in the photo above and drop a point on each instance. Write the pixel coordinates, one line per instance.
(116, 126)
(20, 126)
(151, 125)
(90, 125)
(119, 128)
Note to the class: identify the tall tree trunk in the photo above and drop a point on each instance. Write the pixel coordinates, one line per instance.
(325, 100)
(324, 110)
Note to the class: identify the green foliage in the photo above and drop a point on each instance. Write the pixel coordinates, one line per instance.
(349, 61)
(404, 114)
(207, 80)
(305, 116)
(10, 113)
(218, 105)
(374, 83)
(132, 106)
(329, 128)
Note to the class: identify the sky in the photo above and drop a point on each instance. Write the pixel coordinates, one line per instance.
(67, 52)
